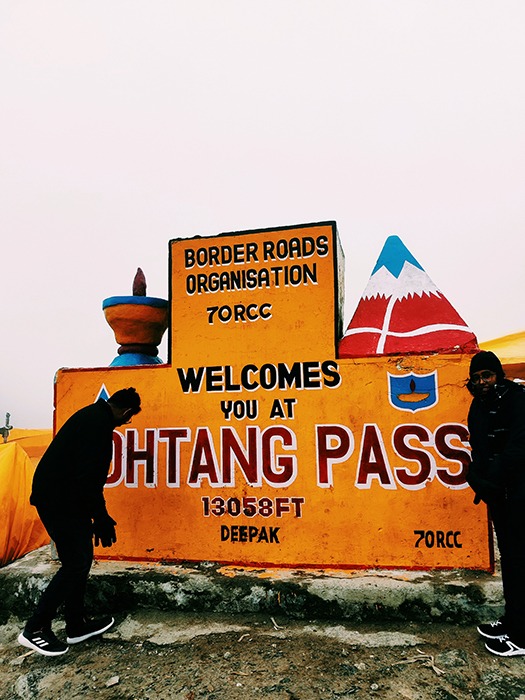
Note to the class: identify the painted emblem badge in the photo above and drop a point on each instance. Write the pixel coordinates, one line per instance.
(413, 392)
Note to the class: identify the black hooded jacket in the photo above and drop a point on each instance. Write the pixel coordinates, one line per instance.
(71, 474)
(497, 436)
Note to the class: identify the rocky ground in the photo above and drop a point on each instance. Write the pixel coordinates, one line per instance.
(173, 656)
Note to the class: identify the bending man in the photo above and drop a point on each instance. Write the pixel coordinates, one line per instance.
(68, 493)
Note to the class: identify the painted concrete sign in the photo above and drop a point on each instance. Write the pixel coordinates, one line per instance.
(402, 311)
(258, 445)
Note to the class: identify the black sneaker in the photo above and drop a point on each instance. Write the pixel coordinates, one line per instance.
(42, 641)
(89, 628)
(504, 647)
(492, 630)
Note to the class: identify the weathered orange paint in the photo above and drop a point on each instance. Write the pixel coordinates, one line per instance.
(327, 470)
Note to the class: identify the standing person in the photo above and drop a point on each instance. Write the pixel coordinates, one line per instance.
(496, 424)
(68, 493)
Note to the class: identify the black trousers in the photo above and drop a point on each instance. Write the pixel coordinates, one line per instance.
(73, 538)
(508, 517)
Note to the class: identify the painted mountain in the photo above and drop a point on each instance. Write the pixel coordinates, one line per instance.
(403, 312)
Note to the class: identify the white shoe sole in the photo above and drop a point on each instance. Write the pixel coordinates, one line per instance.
(512, 651)
(490, 636)
(25, 642)
(96, 633)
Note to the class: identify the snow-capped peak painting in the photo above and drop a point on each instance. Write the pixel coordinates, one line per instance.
(403, 312)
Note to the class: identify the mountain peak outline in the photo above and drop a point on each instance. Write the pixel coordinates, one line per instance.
(403, 311)
(394, 256)
(398, 274)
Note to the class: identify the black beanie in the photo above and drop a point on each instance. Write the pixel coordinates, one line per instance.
(485, 359)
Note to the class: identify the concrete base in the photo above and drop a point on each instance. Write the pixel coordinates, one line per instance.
(371, 595)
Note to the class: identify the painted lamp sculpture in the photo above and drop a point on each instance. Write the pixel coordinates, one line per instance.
(138, 322)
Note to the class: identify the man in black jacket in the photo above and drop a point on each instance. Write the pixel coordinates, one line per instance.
(68, 493)
(496, 424)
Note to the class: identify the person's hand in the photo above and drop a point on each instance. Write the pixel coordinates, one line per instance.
(104, 531)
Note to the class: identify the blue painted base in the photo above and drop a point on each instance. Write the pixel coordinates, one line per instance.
(129, 359)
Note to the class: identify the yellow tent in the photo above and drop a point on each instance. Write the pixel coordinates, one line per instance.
(33, 442)
(21, 530)
(511, 351)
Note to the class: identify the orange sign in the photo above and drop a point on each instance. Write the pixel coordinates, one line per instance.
(257, 445)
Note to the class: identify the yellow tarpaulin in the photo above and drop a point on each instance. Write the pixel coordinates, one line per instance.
(34, 442)
(511, 351)
(21, 530)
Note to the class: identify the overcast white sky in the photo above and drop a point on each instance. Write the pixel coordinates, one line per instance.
(127, 123)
